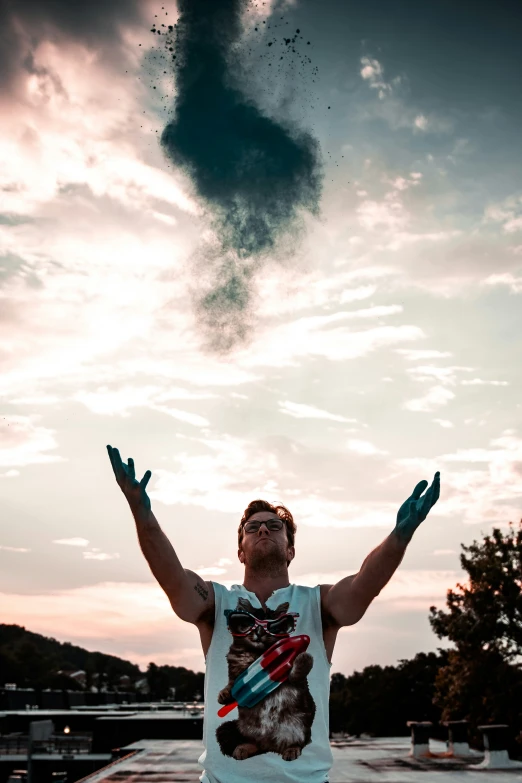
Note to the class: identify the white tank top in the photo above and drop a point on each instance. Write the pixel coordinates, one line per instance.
(276, 687)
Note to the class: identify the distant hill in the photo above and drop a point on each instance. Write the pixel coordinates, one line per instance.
(32, 660)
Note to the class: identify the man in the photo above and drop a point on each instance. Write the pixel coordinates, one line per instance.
(268, 644)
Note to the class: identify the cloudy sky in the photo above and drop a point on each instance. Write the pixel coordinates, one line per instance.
(383, 346)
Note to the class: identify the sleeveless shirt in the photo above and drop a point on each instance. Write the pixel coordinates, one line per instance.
(290, 715)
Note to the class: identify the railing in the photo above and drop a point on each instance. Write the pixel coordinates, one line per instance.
(63, 746)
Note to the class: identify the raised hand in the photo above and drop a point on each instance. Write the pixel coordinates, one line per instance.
(415, 510)
(133, 490)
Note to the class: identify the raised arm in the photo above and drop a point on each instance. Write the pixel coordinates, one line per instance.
(190, 596)
(347, 600)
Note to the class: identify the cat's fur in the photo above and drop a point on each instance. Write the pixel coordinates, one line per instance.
(282, 721)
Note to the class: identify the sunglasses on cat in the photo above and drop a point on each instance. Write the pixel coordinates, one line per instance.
(253, 525)
(241, 623)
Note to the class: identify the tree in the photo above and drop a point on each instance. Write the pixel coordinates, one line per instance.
(486, 614)
(482, 681)
(158, 681)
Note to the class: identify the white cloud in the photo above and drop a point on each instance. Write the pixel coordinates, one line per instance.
(318, 510)
(509, 213)
(392, 106)
(36, 400)
(100, 556)
(401, 183)
(401, 239)
(364, 447)
(444, 423)
(435, 398)
(372, 72)
(14, 549)
(300, 411)
(309, 290)
(480, 382)
(67, 147)
(323, 335)
(24, 441)
(210, 571)
(189, 418)
(71, 541)
(446, 375)
(119, 402)
(356, 294)
(229, 458)
(507, 279)
(214, 570)
(413, 353)
(390, 213)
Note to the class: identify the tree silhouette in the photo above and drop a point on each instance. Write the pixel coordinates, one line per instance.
(380, 700)
(486, 614)
(482, 681)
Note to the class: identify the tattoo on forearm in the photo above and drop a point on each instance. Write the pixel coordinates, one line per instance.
(201, 590)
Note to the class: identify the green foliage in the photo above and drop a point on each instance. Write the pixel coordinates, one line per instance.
(482, 681)
(187, 684)
(380, 700)
(486, 614)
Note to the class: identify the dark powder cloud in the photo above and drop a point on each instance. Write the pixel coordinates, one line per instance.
(254, 174)
(25, 23)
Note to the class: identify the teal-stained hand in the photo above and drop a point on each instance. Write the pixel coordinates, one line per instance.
(133, 490)
(415, 510)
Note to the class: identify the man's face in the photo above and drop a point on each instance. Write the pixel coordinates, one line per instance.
(265, 551)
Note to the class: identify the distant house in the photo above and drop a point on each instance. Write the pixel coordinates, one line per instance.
(142, 685)
(78, 676)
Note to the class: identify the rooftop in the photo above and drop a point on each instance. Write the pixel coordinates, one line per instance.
(383, 760)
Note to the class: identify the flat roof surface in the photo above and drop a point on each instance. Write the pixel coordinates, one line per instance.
(382, 760)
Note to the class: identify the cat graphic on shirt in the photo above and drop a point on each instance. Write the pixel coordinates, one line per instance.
(282, 721)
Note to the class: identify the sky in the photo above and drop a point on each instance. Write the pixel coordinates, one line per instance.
(322, 324)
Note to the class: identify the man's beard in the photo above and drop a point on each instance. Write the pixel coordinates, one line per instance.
(267, 559)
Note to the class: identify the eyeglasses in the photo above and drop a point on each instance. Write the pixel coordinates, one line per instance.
(241, 623)
(254, 525)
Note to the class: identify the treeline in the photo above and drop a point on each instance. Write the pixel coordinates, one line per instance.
(381, 699)
(165, 680)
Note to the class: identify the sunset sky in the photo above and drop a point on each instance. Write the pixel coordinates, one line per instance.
(385, 347)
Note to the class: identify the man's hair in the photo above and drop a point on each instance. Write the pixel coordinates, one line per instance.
(263, 505)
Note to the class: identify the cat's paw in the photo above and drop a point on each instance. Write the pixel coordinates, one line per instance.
(301, 667)
(244, 751)
(224, 696)
(291, 754)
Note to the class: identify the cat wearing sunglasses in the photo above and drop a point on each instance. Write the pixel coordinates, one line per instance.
(253, 631)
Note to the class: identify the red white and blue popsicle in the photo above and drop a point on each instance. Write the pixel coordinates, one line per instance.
(266, 673)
